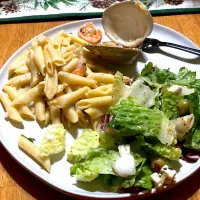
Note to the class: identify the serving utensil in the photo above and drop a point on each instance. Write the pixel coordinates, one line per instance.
(150, 43)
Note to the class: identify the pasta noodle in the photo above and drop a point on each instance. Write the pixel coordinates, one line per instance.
(38, 58)
(20, 80)
(40, 108)
(70, 78)
(55, 114)
(95, 102)
(34, 151)
(70, 98)
(95, 113)
(12, 112)
(102, 77)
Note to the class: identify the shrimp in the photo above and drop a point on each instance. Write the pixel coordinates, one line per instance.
(89, 33)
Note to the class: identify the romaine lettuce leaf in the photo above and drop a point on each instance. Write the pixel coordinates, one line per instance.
(155, 149)
(98, 161)
(130, 119)
(88, 139)
(169, 101)
(53, 141)
(119, 88)
(143, 179)
(192, 140)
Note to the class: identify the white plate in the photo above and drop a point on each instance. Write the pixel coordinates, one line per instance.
(60, 173)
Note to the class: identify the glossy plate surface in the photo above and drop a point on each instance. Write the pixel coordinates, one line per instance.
(60, 172)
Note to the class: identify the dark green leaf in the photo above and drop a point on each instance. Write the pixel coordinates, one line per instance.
(36, 4)
(53, 5)
(46, 5)
(169, 104)
(30, 139)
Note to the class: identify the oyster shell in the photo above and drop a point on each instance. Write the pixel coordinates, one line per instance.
(126, 24)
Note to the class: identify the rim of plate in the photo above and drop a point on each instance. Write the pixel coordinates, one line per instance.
(75, 193)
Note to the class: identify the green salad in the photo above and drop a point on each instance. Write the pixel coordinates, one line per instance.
(142, 133)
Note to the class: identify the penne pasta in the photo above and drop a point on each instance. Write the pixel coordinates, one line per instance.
(20, 80)
(70, 98)
(97, 112)
(70, 78)
(19, 62)
(103, 90)
(22, 70)
(68, 49)
(80, 69)
(38, 58)
(12, 112)
(51, 85)
(70, 66)
(95, 102)
(40, 108)
(47, 117)
(33, 150)
(35, 73)
(23, 110)
(70, 114)
(66, 41)
(76, 39)
(34, 45)
(102, 77)
(30, 95)
(61, 88)
(55, 56)
(48, 62)
(83, 118)
(43, 40)
(55, 114)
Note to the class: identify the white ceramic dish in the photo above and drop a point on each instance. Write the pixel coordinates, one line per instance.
(59, 177)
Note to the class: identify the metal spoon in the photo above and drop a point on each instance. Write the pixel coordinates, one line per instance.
(151, 43)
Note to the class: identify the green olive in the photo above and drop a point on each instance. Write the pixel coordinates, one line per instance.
(183, 106)
(163, 90)
(158, 161)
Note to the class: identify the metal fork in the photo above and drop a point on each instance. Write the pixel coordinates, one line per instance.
(150, 43)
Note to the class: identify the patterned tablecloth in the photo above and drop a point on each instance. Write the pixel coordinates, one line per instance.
(21, 10)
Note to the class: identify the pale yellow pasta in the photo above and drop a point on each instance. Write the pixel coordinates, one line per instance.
(95, 123)
(34, 45)
(70, 114)
(55, 114)
(66, 41)
(68, 89)
(69, 67)
(70, 98)
(51, 84)
(95, 102)
(39, 104)
(70, 78)
(12, 112)
(96, 67)
(88, 71)
(83, 119)
(55, 56)
(57, 42)
(19, 62)
(103, 90)
(23, 110)
(29, 96)
(102, 77)
(43, 40)
(22, 70)
(35, 73)
(97, 112)
(38, 58)
(48, 62)
(20, 80)
(33, 150)
(76, 39)
(65, 50)
(47, 117)
(61, 88)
